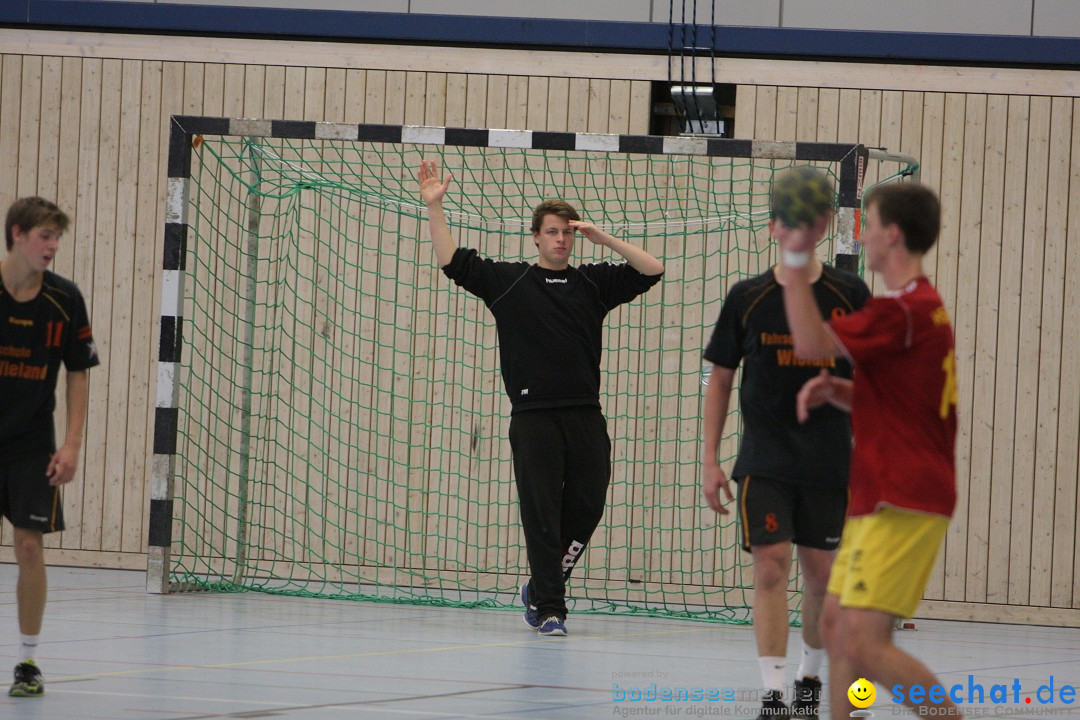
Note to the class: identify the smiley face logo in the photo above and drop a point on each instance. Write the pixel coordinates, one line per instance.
(862, 693)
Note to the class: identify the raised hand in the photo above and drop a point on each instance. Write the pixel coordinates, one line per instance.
(432, 185)
(590, 231)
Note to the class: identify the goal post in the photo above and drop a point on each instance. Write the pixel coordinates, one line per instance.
(330, 420)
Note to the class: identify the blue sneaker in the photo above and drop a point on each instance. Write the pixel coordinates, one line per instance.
(553, 626)
(529, 616)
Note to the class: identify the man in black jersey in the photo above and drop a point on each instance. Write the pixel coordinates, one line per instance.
(792, 477)
(43, 322)
(549, 316)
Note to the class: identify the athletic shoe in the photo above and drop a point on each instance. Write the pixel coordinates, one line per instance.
(529, 616)
(553, 626)
(773, 708)
(807, 697)
(28, 681)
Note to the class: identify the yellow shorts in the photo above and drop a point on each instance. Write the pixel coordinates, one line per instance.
(885, 560)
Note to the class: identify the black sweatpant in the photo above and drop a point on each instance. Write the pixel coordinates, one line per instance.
(562, 466)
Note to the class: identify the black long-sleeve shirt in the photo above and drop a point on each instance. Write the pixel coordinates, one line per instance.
(549, 323)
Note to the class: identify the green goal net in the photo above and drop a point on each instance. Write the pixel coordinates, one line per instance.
(339, 420)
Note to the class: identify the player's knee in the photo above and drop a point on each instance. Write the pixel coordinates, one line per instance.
(770, 571)
(861, 650)
(815, 581)
(28, 549)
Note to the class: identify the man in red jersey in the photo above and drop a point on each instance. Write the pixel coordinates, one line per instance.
(903, 411)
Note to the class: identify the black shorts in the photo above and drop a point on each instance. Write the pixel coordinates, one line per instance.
(772, 511)
(26, 497)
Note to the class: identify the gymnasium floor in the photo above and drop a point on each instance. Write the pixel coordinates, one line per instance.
(111, 651)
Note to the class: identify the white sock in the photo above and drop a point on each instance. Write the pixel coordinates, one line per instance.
(810, 667)
(772, 672)
(28, 648)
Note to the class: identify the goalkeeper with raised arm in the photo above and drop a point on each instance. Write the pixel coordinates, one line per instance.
(549, 316)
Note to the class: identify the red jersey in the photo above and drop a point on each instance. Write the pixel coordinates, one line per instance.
(903, 412)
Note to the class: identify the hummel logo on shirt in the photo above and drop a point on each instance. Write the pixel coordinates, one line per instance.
(555, 280)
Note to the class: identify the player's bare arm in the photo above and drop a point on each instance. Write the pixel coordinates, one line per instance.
(714, 480)
(813, 341)
(62, 466)
(433, 187)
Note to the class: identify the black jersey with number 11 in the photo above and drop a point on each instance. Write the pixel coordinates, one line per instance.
(35, 337)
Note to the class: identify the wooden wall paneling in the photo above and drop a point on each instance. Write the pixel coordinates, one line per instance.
(425, 108)
(1066, 591)
(558, 104)
(806, 123)
(49, 127)
(892, 120)
(90, 155)
(911, 125)
(1052, 337)
(745, 110)
(66, 196)
(447, 514)
(213, 103)
(78, 518)
(296, 448)
(828, 115)
(193, 88)
(1022, 554)
(998, 576)
(765, 114)
(404, 101)
(577, 114)
(951, 186)
(29, 125)
(787, 113)
(122, 391)
(354, 97)
(506, 548)
(100, 495)
(11, 98)
(67, 162)
(368, 101)
(484, 383)
(426, 58)
(640, 107)
(870, 130)
(338, 329)
(333, 224)
(623, 335)
(274, 93)
(933, 139)
(234, 84)
(964, 316)
(848, 127)
(983, 364)
(145, 315)
(537, 103)
(459, 338)
(253, 91)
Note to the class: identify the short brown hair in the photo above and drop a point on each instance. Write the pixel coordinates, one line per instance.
(552, 207)
(913, 208)
(30, 212)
